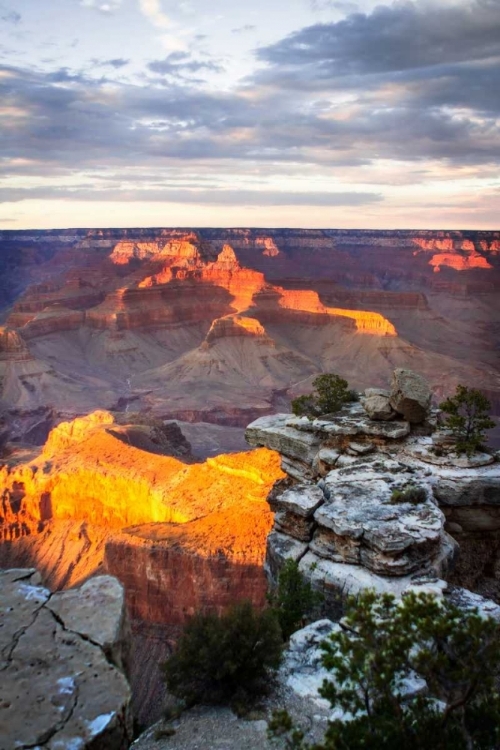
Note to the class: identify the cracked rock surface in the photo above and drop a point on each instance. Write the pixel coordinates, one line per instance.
(58, 688)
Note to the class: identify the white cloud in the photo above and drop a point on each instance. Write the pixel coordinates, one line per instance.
(105, 6)
(152, 10)
(173, 41)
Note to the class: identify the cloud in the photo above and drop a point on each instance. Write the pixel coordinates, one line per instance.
(290, 118)
(344, 7)
(244, 29)
(394, 38)
(116, 62)
(179, 63)
(104, 6)
(9, 16)
(153, 11)
(200, 197)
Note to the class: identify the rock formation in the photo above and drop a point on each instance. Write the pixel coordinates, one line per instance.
(63, 658)
(154, 317)
(101, 495)
(369, 504)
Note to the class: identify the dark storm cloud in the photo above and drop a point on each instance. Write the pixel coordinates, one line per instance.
(393, 38)
(207, 197)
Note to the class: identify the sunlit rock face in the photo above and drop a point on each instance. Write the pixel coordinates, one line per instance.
(171, 320)
(460, 255)
(179, 536)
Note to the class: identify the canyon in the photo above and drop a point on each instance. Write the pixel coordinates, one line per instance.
(131, 362)
(223, 326)
(181, 536)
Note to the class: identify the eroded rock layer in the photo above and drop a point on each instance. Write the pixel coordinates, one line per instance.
(225, 325)
(372, 502)
(180, 536)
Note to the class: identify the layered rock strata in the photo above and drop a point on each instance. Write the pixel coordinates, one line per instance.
(226, 325)
(62, 661)
(368, 504)
(181, 537)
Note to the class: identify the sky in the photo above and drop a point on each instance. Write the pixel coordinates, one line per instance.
(269, 113)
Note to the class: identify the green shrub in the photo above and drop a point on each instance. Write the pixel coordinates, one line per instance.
(413, 495)
(468, 417)
(331, 393)
(383, 640)
(305, 406)
(221, 658)
(294, 598)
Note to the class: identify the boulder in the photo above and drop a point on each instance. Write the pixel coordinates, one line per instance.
(379, 407)
(280, 548)
(376, 392)
(302, 499)
(302, 669)
(58, 687)
(96, 611)
(410, 395)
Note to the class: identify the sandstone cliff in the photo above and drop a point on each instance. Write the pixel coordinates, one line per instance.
(184, 535)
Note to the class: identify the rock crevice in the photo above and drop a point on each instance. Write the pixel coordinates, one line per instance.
(63, 652)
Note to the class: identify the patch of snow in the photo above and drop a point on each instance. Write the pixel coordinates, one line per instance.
(72, 743)
(33, 593)
(100, 723)
(66, 685)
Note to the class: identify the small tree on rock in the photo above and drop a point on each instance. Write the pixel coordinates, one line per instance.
(468, 416)
(294, 598)
(331, 393)
(416, 674)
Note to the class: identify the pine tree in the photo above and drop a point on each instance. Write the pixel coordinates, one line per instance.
(468, 417)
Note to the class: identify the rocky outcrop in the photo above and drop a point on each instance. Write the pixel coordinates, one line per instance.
(302, 672)
(62, 661)
(368, 504)
(460, 255)
(410, 395)
(236, 325)
(12, 345)
(179, 536)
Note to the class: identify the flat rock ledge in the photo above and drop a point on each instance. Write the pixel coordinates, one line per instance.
(61, 659)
